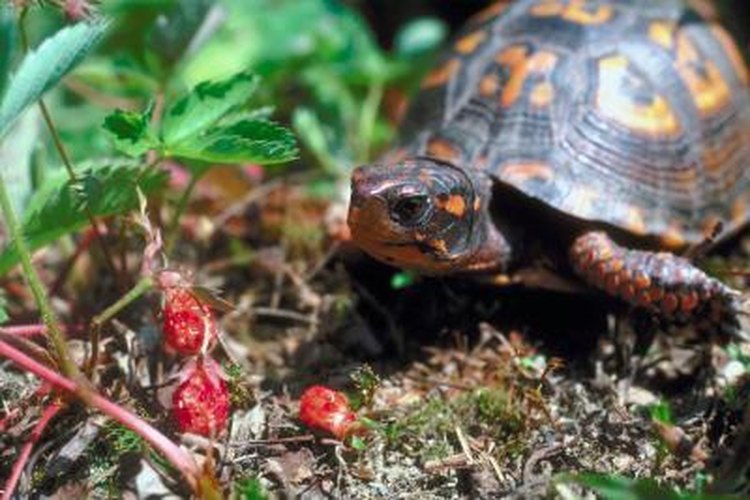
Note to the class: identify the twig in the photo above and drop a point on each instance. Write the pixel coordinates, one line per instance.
(435, 382)
(464, 445)
(284, 314)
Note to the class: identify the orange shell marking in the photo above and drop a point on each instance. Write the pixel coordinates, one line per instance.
(442, 149)
(518, 173)
(657, 118)
(662, 33)
(440, 75)
(542, 95)
(575, 11)
(521, 66)
(708, 88)
(488, 13)
(489, 85)
(469, 43)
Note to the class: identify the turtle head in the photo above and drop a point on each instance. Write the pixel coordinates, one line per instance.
(426, 215)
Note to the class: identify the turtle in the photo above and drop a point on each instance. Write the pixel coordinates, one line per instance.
(606, 139)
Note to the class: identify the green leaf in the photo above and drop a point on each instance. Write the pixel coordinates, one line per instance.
(661, 412)
(58, 207)
(615, 487)
(250, 488)
(358, 443)
(420, 36)
(247, 141)
(402, 279)
(8, 37)
(16, 153)
(205, 105)
(44, 67)
(310, 130)
(131, 131)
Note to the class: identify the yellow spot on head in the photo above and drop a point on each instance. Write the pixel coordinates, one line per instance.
(456, 205)
(439, 246)
(470, 42)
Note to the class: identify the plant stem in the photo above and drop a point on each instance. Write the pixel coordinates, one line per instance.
(176, 455)
(23, 457)
(62, 355)
(23, 330)
(71, 171)
(174, 226)
(144, 285)
(139, 289)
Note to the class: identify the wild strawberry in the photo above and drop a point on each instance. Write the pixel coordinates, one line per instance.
(200, 404)
(328, 410)
(189, 325)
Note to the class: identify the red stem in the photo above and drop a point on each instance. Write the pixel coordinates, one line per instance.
(15, 474)
(24, 330)
(176, 455)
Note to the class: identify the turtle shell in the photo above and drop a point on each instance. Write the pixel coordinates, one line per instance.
(631, 113)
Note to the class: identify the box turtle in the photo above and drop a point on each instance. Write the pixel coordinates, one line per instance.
(604, 136)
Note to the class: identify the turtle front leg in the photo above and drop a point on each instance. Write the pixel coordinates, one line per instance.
(667, 285)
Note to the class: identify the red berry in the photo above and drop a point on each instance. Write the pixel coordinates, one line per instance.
(200, 404)
(326, 409)
(189, 325)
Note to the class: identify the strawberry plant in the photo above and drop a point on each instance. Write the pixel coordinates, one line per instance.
(201, 402)
(116, 119)
(325, 409)
(189, 325)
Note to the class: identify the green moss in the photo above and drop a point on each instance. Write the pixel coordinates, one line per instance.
(430, 429)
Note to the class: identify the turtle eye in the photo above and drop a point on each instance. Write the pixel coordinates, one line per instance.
(410, 210)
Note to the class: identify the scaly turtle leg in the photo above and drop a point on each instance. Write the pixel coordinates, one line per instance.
(667, 285)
